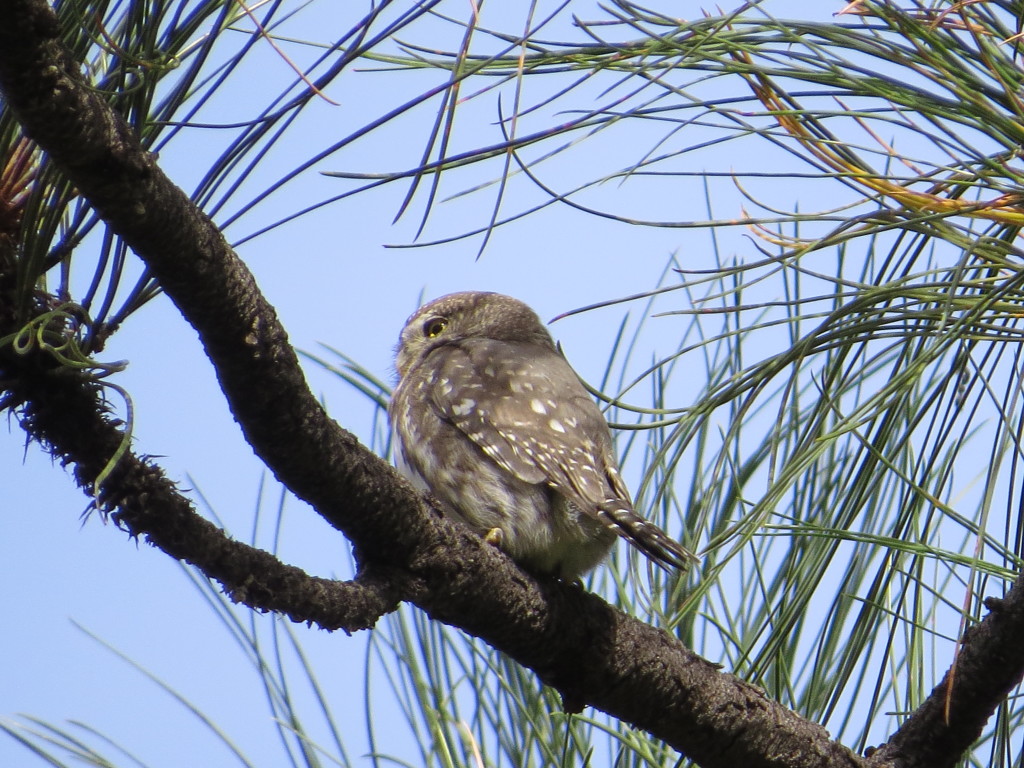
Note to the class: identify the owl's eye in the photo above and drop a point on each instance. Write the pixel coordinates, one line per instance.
(434, 326)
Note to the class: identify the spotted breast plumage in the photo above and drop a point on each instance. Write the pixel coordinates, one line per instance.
(490, 419)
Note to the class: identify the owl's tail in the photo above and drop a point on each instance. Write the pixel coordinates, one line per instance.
(646, 536)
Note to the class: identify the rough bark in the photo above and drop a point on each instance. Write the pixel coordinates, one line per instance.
(594, 654)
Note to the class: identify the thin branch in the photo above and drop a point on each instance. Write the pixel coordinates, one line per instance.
(66, 413)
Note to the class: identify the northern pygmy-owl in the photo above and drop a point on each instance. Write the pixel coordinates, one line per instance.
(490, 419)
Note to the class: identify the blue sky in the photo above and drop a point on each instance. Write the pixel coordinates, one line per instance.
(333, 281)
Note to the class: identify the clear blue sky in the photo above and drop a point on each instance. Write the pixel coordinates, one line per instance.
(332, 281)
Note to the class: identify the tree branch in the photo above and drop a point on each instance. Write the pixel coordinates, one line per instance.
(65, 411)
(990, 664)
(574, 641)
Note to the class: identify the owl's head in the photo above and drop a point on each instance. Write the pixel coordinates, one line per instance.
(467, 315)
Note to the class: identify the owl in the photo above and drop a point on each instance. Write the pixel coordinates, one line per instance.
(489, 418)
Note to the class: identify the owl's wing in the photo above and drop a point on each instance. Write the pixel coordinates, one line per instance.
(526, 409)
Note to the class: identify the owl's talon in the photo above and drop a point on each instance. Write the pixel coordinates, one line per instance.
(495, 537)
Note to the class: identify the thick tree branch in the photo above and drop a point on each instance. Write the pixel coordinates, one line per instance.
(576, 642)
(990, 664)
(573, 640)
